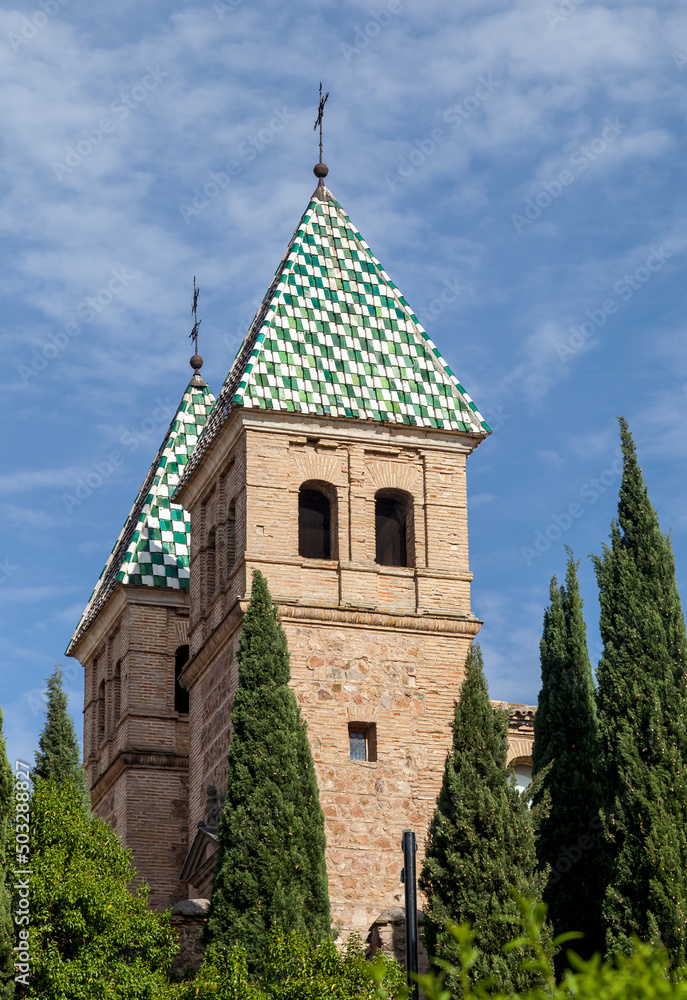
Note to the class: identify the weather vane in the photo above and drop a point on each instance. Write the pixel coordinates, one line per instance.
(321, 170)
(196, 361)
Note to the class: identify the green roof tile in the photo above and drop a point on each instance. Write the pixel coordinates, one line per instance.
(357, 316)
(153, 546)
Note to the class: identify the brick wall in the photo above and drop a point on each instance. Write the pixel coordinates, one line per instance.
(369, 644)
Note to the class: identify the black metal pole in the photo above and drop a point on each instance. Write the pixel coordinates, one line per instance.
(408, 878)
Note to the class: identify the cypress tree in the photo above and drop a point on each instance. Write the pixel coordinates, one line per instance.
(566, 755)
(271, 868)
(59, 757)
(642, 696)
(7, 936)
(480, 843)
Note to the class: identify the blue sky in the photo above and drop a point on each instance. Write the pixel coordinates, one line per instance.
(517, 168)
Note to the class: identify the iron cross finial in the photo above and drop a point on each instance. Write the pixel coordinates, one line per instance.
(321, 170)
(193, 335)
(196, 360)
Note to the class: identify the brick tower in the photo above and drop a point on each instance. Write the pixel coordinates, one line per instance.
(334, 462)
(132, 641)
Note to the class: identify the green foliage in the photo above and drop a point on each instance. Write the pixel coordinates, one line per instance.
(642, 694)
(566, 748)
(90, 937)
(7, 935)
(59, 757)
(271, 867)
(293, 968)
(643, 975)
(480, 842)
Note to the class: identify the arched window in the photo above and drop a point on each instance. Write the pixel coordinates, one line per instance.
(522, 769)
(391, 529)
(314, 524)
(231, 536)
(101, 712)
(181, 703)
(117, 692)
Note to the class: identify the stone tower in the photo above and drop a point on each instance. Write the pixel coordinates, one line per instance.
(132, 641)
(334, 462)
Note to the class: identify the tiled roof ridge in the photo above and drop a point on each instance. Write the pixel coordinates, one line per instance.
(122, 548)
(231, 382)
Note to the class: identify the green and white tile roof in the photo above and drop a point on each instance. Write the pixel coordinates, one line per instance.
(335, 337)
(153, 546)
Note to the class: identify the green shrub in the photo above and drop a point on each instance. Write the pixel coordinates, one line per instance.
(293, 967)
(642, 975)
(90, 937)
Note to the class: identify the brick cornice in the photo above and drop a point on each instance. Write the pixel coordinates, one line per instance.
(136, 759)
(361, 618)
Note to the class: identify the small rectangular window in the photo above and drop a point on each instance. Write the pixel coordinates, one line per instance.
(362, 741)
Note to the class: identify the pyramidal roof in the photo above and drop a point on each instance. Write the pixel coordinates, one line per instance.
(335, 337)
(153, 546)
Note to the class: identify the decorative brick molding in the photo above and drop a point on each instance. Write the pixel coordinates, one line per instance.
(397, 476)
(311, 465)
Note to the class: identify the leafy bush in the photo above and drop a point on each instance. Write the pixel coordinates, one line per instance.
(642, 975)
(90, 937)
(293, 968)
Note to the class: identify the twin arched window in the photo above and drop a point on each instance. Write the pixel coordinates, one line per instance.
(317, 532)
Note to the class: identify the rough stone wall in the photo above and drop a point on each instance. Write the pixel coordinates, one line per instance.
(136, 745)
(369, 644)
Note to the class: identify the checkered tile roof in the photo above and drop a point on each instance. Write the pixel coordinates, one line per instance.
(153, 546)
(335, 337)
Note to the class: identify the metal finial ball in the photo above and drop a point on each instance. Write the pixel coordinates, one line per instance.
(196, 362)
(320, 170)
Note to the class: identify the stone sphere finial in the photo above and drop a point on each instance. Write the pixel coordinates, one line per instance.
(320, 170)
(196, 362)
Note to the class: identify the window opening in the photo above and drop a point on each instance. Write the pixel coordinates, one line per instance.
(181, 695)
(362, 741)
(314, 525)
(391, 517)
